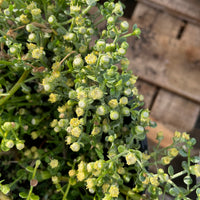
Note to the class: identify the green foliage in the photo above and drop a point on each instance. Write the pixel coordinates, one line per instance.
(71, 118)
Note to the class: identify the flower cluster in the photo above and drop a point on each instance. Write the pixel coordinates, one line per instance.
(68, 100)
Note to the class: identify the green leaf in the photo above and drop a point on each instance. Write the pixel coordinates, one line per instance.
(183, 153)
(91, 2)
(174, 191)
(171, 170)
(99, 153)
(34, 197)
(23, 195)
(187, 180)
(198, 191)
(195, 159)
(92, 77)
(134, 26)
(30, 169)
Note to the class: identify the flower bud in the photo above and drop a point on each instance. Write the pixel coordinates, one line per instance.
(96, 130)
(96, 93)
(125, 111)
(82, 103)
(121, 51)
(53, 163)
(75, 147)
(124, 26)
(78, 62)
(52, 19)
(127, 92)
(71, 37)
(101, 110)
(13, 50)
(20, 145)
(32, 37)
(111, 20)
(24, 19)
(166, 160)
(114, 191)
(123, 100)
(131, 159)
(100, 45)
(139, 129)
(82, 30)
(76, 132)
(173, 152)
(137, 32)
(113, 103)
(9, 144)
(114, 115)
(36, 12)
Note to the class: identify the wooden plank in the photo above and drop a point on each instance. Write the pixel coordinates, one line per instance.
(147, 90)
(152, 134)
(162, 59)
(174, 111)
(188, 10)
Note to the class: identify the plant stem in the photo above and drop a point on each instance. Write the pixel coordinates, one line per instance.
(178, 174)
(14, 88)
(66, 191)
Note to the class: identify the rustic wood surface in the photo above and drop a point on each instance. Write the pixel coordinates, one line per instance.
(175, 112)
(188, 10)
(148, 91)
(163, 57)
(152, 134)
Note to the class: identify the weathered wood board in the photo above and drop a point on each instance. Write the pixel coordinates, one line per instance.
(148, 91)
(163, 57)
(188, 10)
(175, 112)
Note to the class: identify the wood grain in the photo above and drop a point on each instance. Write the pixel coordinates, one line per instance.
(162, 59)
(174, 111)
(188, 10)
(148, 91)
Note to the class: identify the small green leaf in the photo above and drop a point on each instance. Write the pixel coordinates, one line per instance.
(171, 170)
(92, 77)
(187, 180)
(174, 191)
(183, 153)
(198, 191)
(91, 2)
(23, 195)
(34, 197)
(30, 169)
(195, 159)
(134, 26)
(99, 153)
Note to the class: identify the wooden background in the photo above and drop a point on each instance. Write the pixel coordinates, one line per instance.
(167, 61)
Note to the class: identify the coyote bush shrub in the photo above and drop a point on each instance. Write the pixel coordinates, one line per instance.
(72, 124)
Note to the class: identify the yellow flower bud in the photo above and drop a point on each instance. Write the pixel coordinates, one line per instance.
(114, 191)
(113, 103)
(166, 160)
(173, 152)
(74, 122)
(76, 131)
(90, 59)
(131, 159)
(154, 181)
(53, 97)
(72, 172)
(24, 19)
(54, 163)
(96, 130)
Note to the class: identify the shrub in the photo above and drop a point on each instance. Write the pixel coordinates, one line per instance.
(72, 124)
